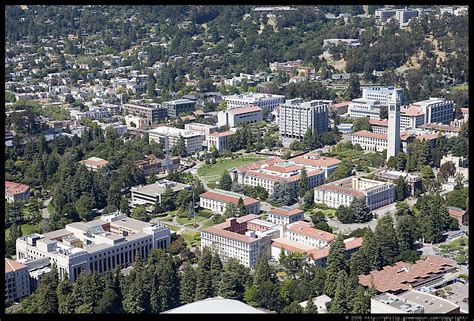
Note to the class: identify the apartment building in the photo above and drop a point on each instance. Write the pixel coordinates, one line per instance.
(285, 215)
(151, 194)
(94, 163)
(275, 170)
(379, 126)
(96, 246)
(219, 140)
(150, 113)
(343, 192)
(216, 200)
(238, 116)
(362, 107)
(16, 192)
(233, 239)
(383, 95)
(179, 106)
(296, 116)
(17, 283)
(152, 165)
(264, 101)
(192, 139)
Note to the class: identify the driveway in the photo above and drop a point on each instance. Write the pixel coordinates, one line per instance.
(45, 210)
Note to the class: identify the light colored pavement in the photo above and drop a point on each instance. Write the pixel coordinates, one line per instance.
(45, 210)
(460, 292)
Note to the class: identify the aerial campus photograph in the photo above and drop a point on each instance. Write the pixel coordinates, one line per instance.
(239, 159)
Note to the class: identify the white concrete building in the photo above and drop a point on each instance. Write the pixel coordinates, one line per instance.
(219, 140)
(264, 101)
(296, 116)
(94, 163)
(412, 301)
(379, 126)
(17, 281)
(411, 117)
(151, 194)
(216, 200)
(285, 215)
(436, 110)
(204, 129)
(192, 139)
(382, 94)
(362, 107)
(343, 192)
(96, 246)
(232, 239)
(239, 116)
(370, 141)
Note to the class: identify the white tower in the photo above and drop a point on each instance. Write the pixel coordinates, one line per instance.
(393, 135)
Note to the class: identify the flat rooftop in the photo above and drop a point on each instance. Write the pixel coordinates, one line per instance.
(215, 305)
(172, 131)
(159, 188)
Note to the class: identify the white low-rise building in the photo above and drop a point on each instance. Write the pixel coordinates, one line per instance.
(264, 101)
(216, 200)
(362, 107)
(96, 246)
(151, 194)
(302, 232)
(343, 192)
(192, 139)
(238, 116)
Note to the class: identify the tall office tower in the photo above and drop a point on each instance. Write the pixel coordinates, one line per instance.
(393, 138)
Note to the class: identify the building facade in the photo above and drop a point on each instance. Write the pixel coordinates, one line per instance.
(150, 113)
(264, 101)
(219, 140)
(15, 192)
(217, 200)
(151, 194)
(238, 116)
(176, 107)
(17, 283)
(343, 192)
(233, 239)
(393, 132)
(285, 215)
(96, 246)
(362, 107)
(192, 140)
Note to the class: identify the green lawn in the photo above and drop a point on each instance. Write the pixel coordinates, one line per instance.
(25, 229)
(348, 154)
(330, 212)
(172, 227)
(189, 237)
(207, 223)
(212, 173)
(456, 245)
(185, 220)
(459, 87)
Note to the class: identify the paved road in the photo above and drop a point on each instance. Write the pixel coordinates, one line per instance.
(45, 210)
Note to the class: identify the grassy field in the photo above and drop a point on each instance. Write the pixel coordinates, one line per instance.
(207, 223)
(189, 237)
(459, 244)
(348, 154)
(25, 229)
(171, 227)
(212, 173)
(330, 212)
(185, 220)
(459, 87)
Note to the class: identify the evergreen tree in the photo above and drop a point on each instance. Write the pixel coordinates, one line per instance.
(308, 199)
(230, 286)
(66, 304)
(282, 194)
(303, 183)
(293, 308)
(405, 232)
(46, 293)
(263, 272)
(203, 284)
(387, 239)
(340, 302)
(360, 210)
(401, 190)
(361, 303)
(188, 284)
(268, 296)
(225, 182)
(215, 271)
(336, 262)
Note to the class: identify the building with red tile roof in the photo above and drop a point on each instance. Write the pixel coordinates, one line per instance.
(405, 276)
(234, 239)
(17, 281)
(304, 233)
(460, 215)
(343, 192)
(217, 200)
(16, 192)
(285, 215)
(218, 140)
(94, 163)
